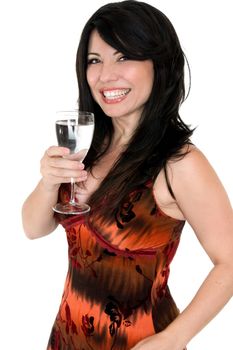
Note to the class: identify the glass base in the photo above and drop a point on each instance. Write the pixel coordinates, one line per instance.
(71, 209)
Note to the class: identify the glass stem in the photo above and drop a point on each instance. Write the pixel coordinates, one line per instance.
(72, 193)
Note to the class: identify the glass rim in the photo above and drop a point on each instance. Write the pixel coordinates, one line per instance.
(74, 112)
(72, 122)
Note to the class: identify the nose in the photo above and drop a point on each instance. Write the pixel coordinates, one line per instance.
(108, 72)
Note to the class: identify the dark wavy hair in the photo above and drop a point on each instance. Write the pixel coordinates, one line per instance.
(140, 32)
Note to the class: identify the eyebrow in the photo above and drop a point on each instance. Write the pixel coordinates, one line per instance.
(97, 54)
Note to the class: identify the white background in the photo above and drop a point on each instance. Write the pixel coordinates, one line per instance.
(37, 77)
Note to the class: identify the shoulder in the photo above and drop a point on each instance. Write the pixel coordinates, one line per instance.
(176, 172)
(193, 182)
(204, 203)
(198, 190)
(190, 170)
(191, 156)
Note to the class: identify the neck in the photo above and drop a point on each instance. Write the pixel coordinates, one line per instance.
(123, 130)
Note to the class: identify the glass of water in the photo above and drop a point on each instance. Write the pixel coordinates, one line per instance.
(74, 130)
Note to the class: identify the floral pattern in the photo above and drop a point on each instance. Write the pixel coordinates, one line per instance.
(116, 290)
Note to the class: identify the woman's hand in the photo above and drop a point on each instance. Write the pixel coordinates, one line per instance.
(160, 341)
(58, 166)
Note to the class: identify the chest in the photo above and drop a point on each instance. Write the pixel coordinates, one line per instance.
(96, 176)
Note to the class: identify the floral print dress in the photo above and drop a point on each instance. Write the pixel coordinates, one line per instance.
(116, 290)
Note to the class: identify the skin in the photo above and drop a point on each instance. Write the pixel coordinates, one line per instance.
(200, 196)
(109, 70)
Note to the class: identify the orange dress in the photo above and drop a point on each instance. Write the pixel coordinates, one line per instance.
(116, 289)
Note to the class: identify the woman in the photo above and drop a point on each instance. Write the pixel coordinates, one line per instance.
(143, 179)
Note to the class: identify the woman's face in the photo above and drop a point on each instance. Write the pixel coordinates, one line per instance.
(119, 85)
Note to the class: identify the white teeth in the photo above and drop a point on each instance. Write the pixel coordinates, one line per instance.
(115, 93)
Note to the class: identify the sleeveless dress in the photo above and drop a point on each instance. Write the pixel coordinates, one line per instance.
(116, 290)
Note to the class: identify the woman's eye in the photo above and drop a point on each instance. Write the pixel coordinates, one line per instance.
(123, 58)
(93, 61)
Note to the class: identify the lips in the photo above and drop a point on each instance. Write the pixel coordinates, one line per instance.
(114, 95)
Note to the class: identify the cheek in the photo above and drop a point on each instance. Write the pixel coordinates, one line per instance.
(92, 77)
(91, 80)
(141, 75)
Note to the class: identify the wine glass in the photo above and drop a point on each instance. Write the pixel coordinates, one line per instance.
(74, 130)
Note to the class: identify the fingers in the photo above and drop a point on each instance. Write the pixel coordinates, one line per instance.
(67, 173)
(56, 151)
(57, 167)
(64, 163)
(51, 180)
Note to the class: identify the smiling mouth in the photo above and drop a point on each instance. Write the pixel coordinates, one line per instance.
(115, 94)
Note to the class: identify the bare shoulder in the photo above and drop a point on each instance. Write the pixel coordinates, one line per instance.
(191, 156)
(197, 187)
(203, 201)
(161, 192)
(191, 170)
(193, 181)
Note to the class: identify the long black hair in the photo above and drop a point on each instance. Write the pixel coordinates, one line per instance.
(140, 32)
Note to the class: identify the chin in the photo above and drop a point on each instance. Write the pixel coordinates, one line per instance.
(113, 115)
(114, 112)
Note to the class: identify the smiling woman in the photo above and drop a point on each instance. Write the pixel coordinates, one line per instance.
(144, 179)
(115, 79)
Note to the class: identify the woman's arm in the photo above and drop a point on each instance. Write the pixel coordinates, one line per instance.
(204, 203)
(37, 214)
